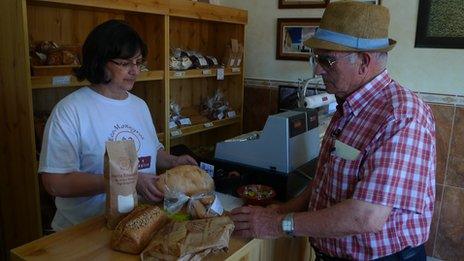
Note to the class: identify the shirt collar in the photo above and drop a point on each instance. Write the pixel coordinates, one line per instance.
(361, 97)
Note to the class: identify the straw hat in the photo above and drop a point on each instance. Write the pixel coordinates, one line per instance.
(353, 26)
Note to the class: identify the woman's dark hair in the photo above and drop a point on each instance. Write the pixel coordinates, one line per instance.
(109, 40)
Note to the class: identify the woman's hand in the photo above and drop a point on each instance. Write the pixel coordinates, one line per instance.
(184, 160)
(147, 189)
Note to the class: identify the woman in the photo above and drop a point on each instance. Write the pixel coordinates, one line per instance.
(71, 161)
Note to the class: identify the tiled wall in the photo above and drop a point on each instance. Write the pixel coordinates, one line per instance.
(447, 231)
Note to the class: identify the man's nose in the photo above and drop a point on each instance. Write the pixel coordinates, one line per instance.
(318, 70)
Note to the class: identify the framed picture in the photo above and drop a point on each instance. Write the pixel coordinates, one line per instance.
(440, 24)
(284, 4)
(374, 2)
(291, 34)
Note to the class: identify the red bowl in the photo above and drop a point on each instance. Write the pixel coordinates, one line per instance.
(256, 194)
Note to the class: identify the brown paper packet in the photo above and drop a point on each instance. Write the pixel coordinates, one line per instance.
(120, 173)
(190, 240)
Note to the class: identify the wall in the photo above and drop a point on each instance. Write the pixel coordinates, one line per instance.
(420, 69)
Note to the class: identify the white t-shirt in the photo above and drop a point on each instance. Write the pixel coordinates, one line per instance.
(74, 140)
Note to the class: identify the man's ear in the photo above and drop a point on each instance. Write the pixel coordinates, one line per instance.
(365, 59)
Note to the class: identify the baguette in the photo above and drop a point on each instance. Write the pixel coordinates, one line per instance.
(135, 231)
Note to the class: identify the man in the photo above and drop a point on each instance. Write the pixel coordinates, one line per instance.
(373, 193)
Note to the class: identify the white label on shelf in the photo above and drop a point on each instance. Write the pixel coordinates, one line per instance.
(220, 116)
(231, 62)
(208, 125)
(231, 114)
(206, 72)
(239, 61)
(172, 125)
(220, 74)
(185, 121)
(202, 61)
(208, 168)
(179, 74)
(61, 80)
(235, 70)
(176, 133)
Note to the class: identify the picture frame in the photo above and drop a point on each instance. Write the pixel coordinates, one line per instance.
(376, 2)
(291, 34)
(439, 25)
(286, 4)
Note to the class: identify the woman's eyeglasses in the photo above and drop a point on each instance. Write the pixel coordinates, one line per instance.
(326, 61)
(126, 64)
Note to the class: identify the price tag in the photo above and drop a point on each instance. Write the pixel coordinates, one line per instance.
(235, 70)
(208, 168)
(208, 125)
(206, 72)
(220, 74)
(179, 74)
(185, 121)
(175, 133)
(61, 80)
(172, 125)
(231, 114)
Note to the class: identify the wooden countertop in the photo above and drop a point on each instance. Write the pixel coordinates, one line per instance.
(90, 241)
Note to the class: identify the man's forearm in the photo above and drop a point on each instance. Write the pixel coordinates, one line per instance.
(346, 218)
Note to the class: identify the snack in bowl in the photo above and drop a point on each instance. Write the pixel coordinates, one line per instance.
(256, 194)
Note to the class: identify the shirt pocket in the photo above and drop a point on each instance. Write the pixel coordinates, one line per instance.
(341, 176)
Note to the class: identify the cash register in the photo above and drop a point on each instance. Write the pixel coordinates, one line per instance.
(288, 140)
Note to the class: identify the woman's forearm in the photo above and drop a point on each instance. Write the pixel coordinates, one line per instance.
(74, 184)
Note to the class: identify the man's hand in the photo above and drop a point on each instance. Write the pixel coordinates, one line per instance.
(147, 189)
(184, 160)
(257, 222)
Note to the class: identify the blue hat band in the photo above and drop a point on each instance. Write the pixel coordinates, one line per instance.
(351, 41)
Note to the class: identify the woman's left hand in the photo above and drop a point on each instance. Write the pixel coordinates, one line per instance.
(184, 160)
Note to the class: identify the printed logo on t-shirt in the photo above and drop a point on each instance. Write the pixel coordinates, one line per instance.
(126, 132)
(144, 162)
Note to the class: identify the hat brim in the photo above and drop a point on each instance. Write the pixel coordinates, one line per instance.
(321, 44)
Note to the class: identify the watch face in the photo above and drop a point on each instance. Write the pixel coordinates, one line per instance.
(287, 224)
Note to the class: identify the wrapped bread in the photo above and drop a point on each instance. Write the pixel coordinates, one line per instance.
(187, 179)
(135, 231)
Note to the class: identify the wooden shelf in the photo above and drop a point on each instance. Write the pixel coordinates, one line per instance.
(203, 126)
(202, 73)
(45, 82)
(178, 8)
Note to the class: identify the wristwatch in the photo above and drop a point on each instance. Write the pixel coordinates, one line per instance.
(287, 224)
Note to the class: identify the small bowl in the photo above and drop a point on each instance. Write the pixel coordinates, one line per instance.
(257, 194)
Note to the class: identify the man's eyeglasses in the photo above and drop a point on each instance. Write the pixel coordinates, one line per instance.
(126, 64)
(326, 61)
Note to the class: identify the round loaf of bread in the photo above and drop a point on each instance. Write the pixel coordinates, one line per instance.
(187, 179)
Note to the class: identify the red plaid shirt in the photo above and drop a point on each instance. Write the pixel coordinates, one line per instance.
(395, 133)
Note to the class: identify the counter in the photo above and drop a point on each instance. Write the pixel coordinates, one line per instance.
(90, 241)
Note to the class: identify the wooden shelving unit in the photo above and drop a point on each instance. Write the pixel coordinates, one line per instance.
(203, 126)
(163, 24)
(202, 73)
(58, 81)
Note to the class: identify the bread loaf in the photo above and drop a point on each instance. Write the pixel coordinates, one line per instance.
(135, 231)
(187, 179)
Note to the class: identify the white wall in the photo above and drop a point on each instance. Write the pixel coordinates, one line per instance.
(420, 69)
